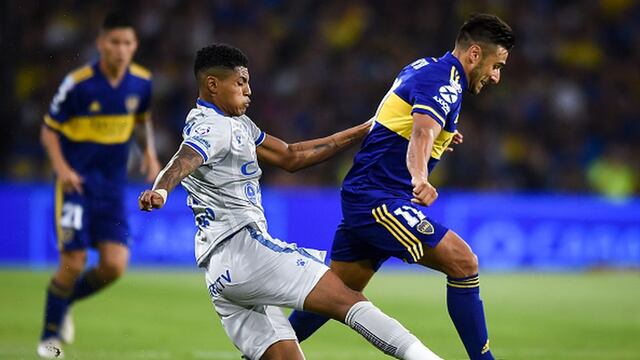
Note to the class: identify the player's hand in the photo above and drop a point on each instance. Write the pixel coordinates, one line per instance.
(457, 139)
(150, 166)
(71, 180)
(150, 200)
(423, 192)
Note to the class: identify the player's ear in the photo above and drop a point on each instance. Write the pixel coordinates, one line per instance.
(475, 54)
(212, 83)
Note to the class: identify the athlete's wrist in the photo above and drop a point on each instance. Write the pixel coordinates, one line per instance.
(163, 193)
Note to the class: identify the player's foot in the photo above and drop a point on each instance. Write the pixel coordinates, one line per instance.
(50, 348)
(68, 329)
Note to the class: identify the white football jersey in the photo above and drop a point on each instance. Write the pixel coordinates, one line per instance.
(224, 192)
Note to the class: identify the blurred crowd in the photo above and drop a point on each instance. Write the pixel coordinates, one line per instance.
(565, 116)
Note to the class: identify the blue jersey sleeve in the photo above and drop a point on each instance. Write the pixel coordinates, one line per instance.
(63, 106)
(425, 99)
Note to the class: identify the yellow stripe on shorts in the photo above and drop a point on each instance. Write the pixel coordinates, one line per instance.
(390, 227)
(417, 245)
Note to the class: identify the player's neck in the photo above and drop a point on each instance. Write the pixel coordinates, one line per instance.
(459, 54)
(113, 74)
(209, 99)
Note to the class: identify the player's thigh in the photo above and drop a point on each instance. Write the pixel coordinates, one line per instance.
(283, 350)
(72, 221)
(332, 298)
(356, 274)
(108, 221)
(256, 330)
(452, 256)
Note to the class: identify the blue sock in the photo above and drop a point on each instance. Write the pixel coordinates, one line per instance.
(467, 314)
(56, 307)
(87, 284)
(306, 323)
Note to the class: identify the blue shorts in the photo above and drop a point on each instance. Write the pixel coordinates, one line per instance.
(83, 221)
(397, 228)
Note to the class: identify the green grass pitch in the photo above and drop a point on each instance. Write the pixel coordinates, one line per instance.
(160, 314)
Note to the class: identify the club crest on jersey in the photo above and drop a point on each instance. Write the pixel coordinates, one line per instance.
(425, 227)
(131, 103)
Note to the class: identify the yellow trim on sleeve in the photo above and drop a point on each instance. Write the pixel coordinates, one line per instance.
(433, 112)
(82, 74)
(140, 71)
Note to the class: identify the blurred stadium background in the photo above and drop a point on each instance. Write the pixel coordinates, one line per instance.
(545, 187)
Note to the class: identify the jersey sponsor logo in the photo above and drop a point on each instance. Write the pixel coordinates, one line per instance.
(215, 288)
(202, 129)
(201, 140)
(443, 105)
(251, 192)
(131, 103)
(249, 168)
(448, 93)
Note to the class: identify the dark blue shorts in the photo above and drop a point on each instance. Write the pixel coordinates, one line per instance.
(397, 228)
(83, 221)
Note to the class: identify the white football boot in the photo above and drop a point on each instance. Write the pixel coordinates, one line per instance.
(50, 348)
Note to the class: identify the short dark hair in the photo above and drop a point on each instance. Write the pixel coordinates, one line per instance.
(116, 20)
(488, 29)
(219, 55)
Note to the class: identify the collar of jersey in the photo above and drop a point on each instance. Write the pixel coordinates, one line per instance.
(449, 56)
(210, 106)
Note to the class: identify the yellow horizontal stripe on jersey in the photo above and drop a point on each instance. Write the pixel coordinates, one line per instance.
(433, 112)
(58, 212)
(102, 129)
(398, 237)
(395, 114)
(417, 245)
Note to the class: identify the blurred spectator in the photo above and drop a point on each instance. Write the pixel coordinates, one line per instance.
(612, 175)
(569, 91)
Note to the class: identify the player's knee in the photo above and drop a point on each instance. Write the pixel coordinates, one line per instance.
(72, 265)
(466, 265)
(111, 269)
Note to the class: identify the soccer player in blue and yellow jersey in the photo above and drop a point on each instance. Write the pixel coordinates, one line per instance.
(386, 194)
(86, 134)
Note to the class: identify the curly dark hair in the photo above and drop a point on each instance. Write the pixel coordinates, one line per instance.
(487, 29)
(219, 55)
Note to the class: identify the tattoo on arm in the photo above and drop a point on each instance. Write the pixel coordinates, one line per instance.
(183, 163)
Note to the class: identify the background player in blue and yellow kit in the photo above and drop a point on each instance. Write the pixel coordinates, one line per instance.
(86, 134)
(386, 194)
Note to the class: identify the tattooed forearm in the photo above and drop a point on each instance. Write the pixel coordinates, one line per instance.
(183, 163)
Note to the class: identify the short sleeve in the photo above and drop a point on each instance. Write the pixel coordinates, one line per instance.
(211, 138)
(145, 101)
(255, 132)
(62, 106)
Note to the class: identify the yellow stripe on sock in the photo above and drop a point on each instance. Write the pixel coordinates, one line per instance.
(390, 228)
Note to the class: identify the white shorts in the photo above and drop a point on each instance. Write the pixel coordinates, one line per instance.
(249, 276)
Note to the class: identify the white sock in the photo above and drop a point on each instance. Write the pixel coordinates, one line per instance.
(417, 351)
(386, 333)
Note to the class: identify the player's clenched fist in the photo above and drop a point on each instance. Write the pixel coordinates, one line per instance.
(423, 192)
(150, 200)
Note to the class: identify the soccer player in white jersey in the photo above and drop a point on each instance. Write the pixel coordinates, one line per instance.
(250, 274)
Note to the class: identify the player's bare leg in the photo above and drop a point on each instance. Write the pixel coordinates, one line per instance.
(454, 257)
(355, 275)
(283, 350)
(332, 298)
(114, 258)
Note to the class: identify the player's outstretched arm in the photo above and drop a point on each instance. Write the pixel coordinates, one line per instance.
(300, 155)
(183, 163)
(425, 131)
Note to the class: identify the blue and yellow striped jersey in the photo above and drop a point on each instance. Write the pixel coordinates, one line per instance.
(431, 86)
(95, 120)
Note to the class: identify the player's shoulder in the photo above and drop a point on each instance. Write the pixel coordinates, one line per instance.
(81, 74)
(140, 71)
(431, 69)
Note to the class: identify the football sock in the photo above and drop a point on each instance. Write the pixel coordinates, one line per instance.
(386, 333)
(467, 314)
(55, 308)
(306, 323)
(87, 284)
